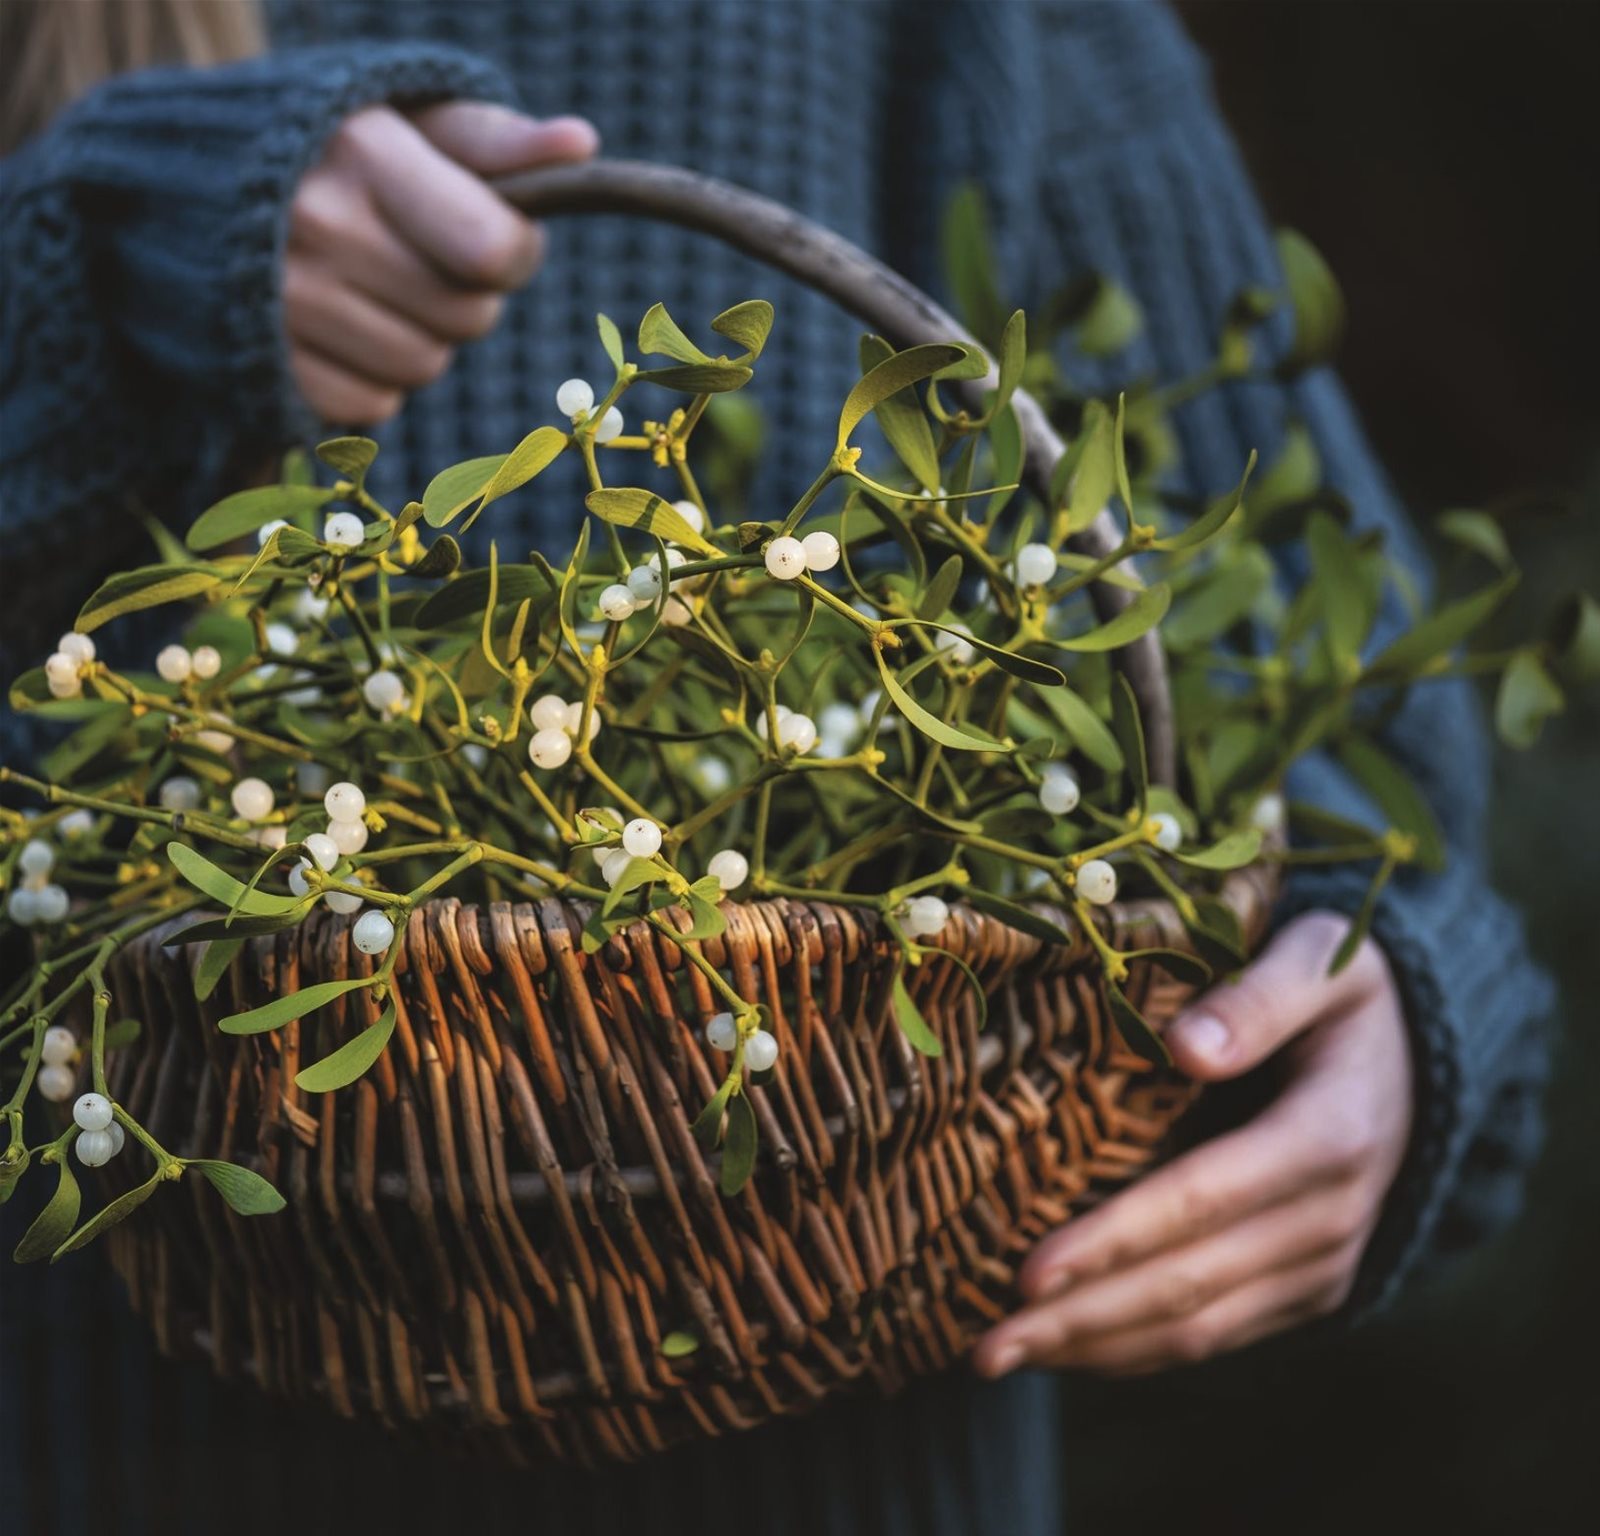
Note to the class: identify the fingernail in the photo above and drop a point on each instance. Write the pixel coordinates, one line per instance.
(1204, 1034)
(1005, 1360)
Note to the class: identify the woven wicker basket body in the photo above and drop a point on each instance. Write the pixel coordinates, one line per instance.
(503, 1221)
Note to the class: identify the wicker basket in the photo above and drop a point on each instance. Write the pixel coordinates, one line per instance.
(500, 1226)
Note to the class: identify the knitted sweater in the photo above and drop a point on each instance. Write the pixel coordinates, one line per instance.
(143, 365)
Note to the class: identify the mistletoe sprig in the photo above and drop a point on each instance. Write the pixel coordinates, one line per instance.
(894, 695)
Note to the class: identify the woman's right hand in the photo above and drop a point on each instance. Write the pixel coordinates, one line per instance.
(399, 250)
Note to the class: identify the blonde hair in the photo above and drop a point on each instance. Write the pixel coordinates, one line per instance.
(55, 50)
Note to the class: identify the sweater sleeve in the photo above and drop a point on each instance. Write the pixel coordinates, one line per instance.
(140, 315)
(1145, 184)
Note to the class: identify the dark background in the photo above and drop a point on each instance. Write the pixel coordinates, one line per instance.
(1445, 158)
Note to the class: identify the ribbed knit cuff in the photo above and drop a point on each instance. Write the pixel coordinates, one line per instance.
(1468, 992)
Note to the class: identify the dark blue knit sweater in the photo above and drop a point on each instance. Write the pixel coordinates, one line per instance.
(143, 365)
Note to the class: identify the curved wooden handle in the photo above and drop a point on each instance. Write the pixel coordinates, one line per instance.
(783, 239)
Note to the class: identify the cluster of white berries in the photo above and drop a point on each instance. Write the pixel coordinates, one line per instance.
(787, 556)
(63, 668)
(575, 400)
(797, 732)
(1035, 565)
(760, 1048)
(57, 1053)
(923, 916)
(346, 835)
(36, 898)
(1096, 882)
(1058, 789)
(556, 722)
(177, 663)
(385, 692)
(641, 587)
(99, 1136)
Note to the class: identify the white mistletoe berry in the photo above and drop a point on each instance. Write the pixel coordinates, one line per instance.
(174, 663)
(762, 720)
(298, 884)
(53, 903)
(572, 720)
(1268, 814)
(75, 824)
(59, 667)
(308, 609)
(179, 793)
(219, 742)
(92, 1112)
(616, 602)
(838, 725)
(79, 647)
(1058, 790)
(342, 902)
(282, 640)
(344, 802)
(549, 749)
(641, 838)
(252, 799)
(957, 646)
(821, 550)
(722, 1034)
(343, 531)
(730, 868)
(610, 427)
(760, 1051)
(1166, 833)
(691, 514)
(37, 858)
(575, 398)
(676, 613)
(94, 1148)
(206, 662)
(58, 1047)
(372, 934)
(925, 915)
(1097, 882)
(323, 850)
(785, 558)
(383, 690)
(270, 837)
(715, 774)
(548, 713)
(115, 1132)
(1035, 565)
(56, 1082)
(612, 863)
(22, 906)
(348, 837)
(798, 733)
(644, 584)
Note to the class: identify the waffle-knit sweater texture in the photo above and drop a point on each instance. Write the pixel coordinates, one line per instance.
(143, 365)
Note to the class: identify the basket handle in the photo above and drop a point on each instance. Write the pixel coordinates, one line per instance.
(783, 239)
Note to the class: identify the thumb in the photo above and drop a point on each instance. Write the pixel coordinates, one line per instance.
(1238, 1024)
(492, 140)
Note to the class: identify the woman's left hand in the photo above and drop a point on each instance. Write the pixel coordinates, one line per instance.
(1262, 1228)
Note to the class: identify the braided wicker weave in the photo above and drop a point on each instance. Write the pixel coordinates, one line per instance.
(502, 1222)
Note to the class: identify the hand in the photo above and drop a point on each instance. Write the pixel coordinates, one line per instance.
(1262, 1228)
(398, 251)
